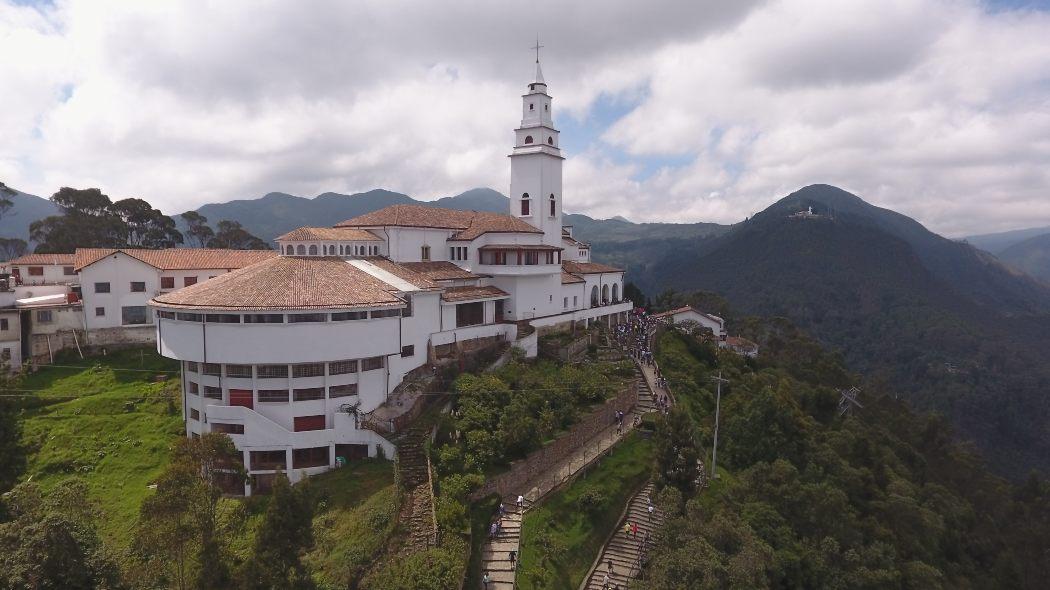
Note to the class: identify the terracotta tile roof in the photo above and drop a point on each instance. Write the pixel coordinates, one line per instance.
(345, 234)
(568, 279)
(684, 309)
(401, 271)
(55, 259)
(470, 293)
(741, 343)
(440, 271)
(573, 241)
(587, 268)
(286, 282)
(178, 258)
(468, 224)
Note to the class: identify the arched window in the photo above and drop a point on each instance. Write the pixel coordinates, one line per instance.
(300, 250)
(553, 205)
(525, 204)
(550, 141)
(594, 296)
(531, 106)
(340, 249)
(605, 294)
(546, 107)
(616, 292)
(528, 139)
(313, 249)
(290, 250)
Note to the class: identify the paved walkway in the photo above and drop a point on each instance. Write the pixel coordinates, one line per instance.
(622, 557)
(496, 551)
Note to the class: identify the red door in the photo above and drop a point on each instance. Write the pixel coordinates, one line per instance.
(241, 397)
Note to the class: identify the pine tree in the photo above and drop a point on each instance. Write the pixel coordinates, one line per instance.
(284, 535)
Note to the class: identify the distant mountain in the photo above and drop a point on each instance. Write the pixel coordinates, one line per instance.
(948, 325)
(1031, 255)
(27, 209)
(998, 242)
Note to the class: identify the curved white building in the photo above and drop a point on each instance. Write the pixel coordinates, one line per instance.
(294, 355)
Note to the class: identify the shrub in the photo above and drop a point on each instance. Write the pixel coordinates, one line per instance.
(592, 500)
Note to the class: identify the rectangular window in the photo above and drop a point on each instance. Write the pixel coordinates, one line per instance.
(532, 257)
(407, 351)
(189, 317)
(43, 316)
(302, 423)
(294, 318)
(227, 428)
(36, 271)
(575, 298)
(4, 324)
(525, 207)
(168, 315)
(386, 313)
(193, 387)
(371, 364)
(452, 253)
(187, 281)
(308, 394)
(138, 287)
(424, 255)
(222, 318)
(132, 315)
(343, 316)
(273, 395)
(268, 460)
(342, 390)
(101, 287)
(342, 367)
(272, 371)
(68, 271)
(308, 370)
(213, 369)
(470, 314)
(191, 367)
(311, 457)
(264, 318)
(244, 371)
(5, 354)
(167, 282)
(494, 257)
(195, 415)
(565, 303)
(212, 392)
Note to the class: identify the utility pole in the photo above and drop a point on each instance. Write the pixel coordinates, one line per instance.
(848, 399)
(718, 407)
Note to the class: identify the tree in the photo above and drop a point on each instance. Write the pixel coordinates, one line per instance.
(12, 248)
(285, 534)
(232, 235)
(51, 540)
(634, 294)
(678, 451)
(182, 522)
(146, 227)
(5, 199)
(198, 232)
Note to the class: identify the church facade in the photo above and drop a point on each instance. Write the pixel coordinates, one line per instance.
(299, 357)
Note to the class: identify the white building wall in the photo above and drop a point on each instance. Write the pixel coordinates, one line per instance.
(53, 274)
(11, 339)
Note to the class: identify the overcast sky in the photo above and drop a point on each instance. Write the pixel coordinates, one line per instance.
(699, 110)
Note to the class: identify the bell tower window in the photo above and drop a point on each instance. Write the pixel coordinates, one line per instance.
(553, 205)
(531, 106)
(525, 204)
(550, 141)
(528, 139)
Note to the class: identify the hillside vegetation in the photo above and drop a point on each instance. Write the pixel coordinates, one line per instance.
(881, 498)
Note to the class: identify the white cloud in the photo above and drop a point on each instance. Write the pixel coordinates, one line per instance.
(936, 108)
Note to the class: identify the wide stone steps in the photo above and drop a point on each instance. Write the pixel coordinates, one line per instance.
(626, 552)
(495, 553)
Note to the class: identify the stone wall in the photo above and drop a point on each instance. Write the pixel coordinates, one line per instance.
(540, 462)
(122, 336)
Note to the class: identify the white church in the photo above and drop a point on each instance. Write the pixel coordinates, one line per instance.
(297, 356)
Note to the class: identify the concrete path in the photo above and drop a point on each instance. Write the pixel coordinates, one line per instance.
(622, 557)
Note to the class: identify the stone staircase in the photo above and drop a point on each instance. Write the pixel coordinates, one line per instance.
(495, 554)
(417, 510)
(646, 398)
(626, 553)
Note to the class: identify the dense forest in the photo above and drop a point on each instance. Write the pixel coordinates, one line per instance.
(880, 497)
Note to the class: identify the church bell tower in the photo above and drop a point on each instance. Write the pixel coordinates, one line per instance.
(535, 163)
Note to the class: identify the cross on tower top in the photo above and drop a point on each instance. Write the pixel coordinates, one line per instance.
(537, 47)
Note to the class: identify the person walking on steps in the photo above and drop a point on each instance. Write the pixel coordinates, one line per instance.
(485, 580)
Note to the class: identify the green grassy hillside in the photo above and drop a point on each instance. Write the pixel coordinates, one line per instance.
(110, 420)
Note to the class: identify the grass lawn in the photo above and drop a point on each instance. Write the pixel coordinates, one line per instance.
(560, 538)
(108, 420)
(356, 517)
